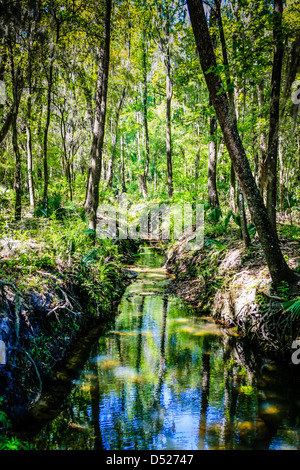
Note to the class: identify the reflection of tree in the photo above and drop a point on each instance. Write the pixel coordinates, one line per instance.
(139, 434)
(95, 406)
(140, 335)
(162, 360)
(226, 434)
(205, 373)
(157, 412)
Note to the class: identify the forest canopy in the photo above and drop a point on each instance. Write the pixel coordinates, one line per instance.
(101, 97)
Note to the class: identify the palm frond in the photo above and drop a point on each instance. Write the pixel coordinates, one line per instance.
(292, 306)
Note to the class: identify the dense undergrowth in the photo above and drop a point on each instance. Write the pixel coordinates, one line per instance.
(56, 282)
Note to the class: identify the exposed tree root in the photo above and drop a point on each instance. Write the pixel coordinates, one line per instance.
(236, 289)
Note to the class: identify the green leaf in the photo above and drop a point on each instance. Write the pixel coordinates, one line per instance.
(292, 306)
(227, 218)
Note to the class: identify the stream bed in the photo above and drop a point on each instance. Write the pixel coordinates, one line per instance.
(164, 377)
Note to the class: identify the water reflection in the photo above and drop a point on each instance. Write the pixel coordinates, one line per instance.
(163, 378)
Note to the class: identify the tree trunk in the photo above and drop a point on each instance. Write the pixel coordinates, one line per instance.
(17, 83)
(164, 44)
(122, 168)
(197, 161)
(212, 192)
(94, 174)
(244, 228)
(46, 130)
(232, 190)
(277, 265)
(67, 155)
(281, 173)
(274, 114)
(145, 116)
(169, 92)
(110, 169)
(18, 167)
(28, 132)
(263, 171)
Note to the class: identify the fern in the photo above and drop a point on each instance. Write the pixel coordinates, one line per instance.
(292, 306)
(90, 257)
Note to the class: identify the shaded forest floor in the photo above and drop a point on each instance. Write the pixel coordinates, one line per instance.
(233, 284)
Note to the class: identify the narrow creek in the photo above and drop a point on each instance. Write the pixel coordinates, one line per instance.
(163, 377)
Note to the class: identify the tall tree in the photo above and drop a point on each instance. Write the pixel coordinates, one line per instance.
(94, 173)
(279, 270)
(212, 192)
(17, 85)
(166, 11)
(30, 38)
(232, 92)
(16, 77)
(145, 113)
(272, 156)
(54, 39)
(114, 138)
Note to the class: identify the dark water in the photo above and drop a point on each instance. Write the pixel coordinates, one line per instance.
(165, 378)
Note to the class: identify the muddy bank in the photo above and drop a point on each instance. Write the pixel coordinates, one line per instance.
(42, 328)
(234, 285)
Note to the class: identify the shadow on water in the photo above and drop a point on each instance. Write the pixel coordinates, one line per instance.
(163, 377)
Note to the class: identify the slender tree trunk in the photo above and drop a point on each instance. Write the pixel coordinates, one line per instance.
(67, 155)
(18, 167)
(281, 173)
(110, 169)
(232, 195)
(29, 159)
(263, 171)
(16, 79)
(69, 174)
(212, 193)
(145, 118)
(244, 228)
(28, 133)
(197, 161)
(169, 92)
(94, 174)
(46, 130)
(164, 44)
(122, 167)
(274, 113)
(277, 265)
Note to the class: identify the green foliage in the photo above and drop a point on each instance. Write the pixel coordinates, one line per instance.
(8, 442)
(292, 306)
(13, 443)
(53, 206)
(283, 289)
(6, 196)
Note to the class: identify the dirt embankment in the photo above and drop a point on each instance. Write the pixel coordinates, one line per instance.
(234, 285)
(39, 327)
